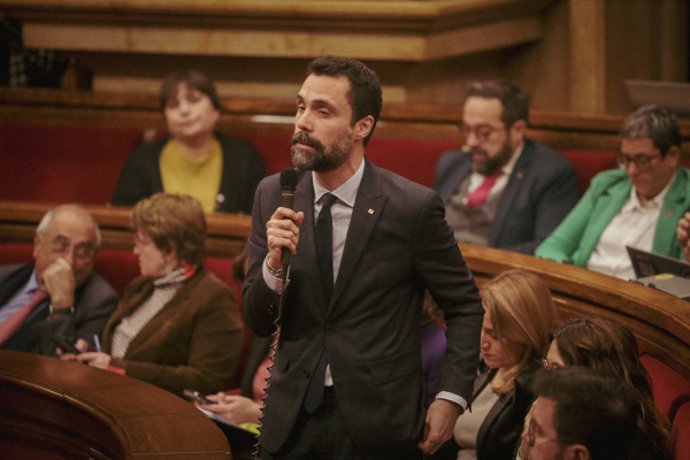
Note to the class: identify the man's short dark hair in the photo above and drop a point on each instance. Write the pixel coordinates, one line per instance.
(365, 87)
(655, 122)
(593, 408)
(514, 101)
(195, 79)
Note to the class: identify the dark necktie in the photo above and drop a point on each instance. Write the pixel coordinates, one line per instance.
(324, 252)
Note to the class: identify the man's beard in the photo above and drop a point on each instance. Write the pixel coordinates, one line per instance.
(323, 158)
(493, 164)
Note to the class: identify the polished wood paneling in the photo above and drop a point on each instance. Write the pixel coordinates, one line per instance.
(52, 409)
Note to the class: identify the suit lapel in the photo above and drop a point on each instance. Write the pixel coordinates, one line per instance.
(671, 211)
(510, 193)
(365, 214)
(606, 208)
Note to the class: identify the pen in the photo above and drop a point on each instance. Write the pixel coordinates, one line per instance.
(97, 343)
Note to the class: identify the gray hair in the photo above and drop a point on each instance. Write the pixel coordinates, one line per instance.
(48, 217)
(656, 123)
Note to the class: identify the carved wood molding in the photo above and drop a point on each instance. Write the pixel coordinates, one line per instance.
(403, 30)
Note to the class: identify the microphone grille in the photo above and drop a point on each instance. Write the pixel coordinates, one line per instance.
(288, 178)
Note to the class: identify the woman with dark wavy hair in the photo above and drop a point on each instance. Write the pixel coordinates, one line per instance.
(606, 345)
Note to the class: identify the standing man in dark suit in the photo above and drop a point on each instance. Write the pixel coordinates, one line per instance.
(57, 295)
(347, 381)
(502, 189)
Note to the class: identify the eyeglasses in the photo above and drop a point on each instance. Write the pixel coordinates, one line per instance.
(532, 434)
(547, 365)
(641, 160)
(482, 132)
(82, 251)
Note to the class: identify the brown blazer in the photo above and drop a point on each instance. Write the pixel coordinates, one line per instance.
(194, 342)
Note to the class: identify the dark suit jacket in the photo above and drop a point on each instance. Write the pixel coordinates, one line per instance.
(242, 171)
(194, 342)
(540, 192)
(94, 301)
(397, 244)
(499, 434)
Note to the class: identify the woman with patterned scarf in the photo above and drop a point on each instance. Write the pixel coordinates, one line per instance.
(177, 326)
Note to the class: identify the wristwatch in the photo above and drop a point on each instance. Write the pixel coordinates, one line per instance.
(277, 272)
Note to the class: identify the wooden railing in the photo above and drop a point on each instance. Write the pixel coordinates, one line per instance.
(660, 322)
(227, 233)
(52, 409)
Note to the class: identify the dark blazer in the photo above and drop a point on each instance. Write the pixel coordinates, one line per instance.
(194, 342)
(540, 192)
(397, 244)
(94, 301)
(499, 434)
(242, 171)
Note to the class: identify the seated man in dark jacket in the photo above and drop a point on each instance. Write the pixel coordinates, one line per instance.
(58, 294)
(502, 189)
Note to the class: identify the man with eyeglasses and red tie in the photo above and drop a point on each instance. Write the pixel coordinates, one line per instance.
(58, 295)
(503, 189)
(637, 205)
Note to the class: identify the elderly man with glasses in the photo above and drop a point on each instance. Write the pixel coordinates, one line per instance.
(638, 205)
(58, 295)
(502, 189)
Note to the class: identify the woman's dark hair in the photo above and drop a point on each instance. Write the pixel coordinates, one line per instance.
(603, 344)
(195, 79)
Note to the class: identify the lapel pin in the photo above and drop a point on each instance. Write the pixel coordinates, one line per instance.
(371, 212)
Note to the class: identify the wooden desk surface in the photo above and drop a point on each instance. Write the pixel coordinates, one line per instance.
(56, 409)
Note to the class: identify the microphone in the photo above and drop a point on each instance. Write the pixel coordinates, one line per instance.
(288, 182)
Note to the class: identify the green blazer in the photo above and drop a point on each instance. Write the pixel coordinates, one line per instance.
(577, 236)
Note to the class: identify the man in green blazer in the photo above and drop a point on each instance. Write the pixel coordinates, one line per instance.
(637, 205)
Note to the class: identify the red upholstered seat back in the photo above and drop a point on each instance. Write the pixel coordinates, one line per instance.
(63, 163)
(588, 164)
(671, 389)
(681, 428)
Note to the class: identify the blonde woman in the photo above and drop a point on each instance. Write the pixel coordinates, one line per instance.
(518, 320)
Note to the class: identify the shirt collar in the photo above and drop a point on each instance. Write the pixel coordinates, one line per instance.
(346, 192)
(657, 202)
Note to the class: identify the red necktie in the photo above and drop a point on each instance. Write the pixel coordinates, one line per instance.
(11, 324)
(479, 196)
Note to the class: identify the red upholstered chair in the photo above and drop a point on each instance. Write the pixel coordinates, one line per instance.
(681, 428)
(588, 164)
(63, 163)
(671, 390)
(14, 253)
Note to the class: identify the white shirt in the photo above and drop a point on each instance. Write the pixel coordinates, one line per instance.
(634, 225)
